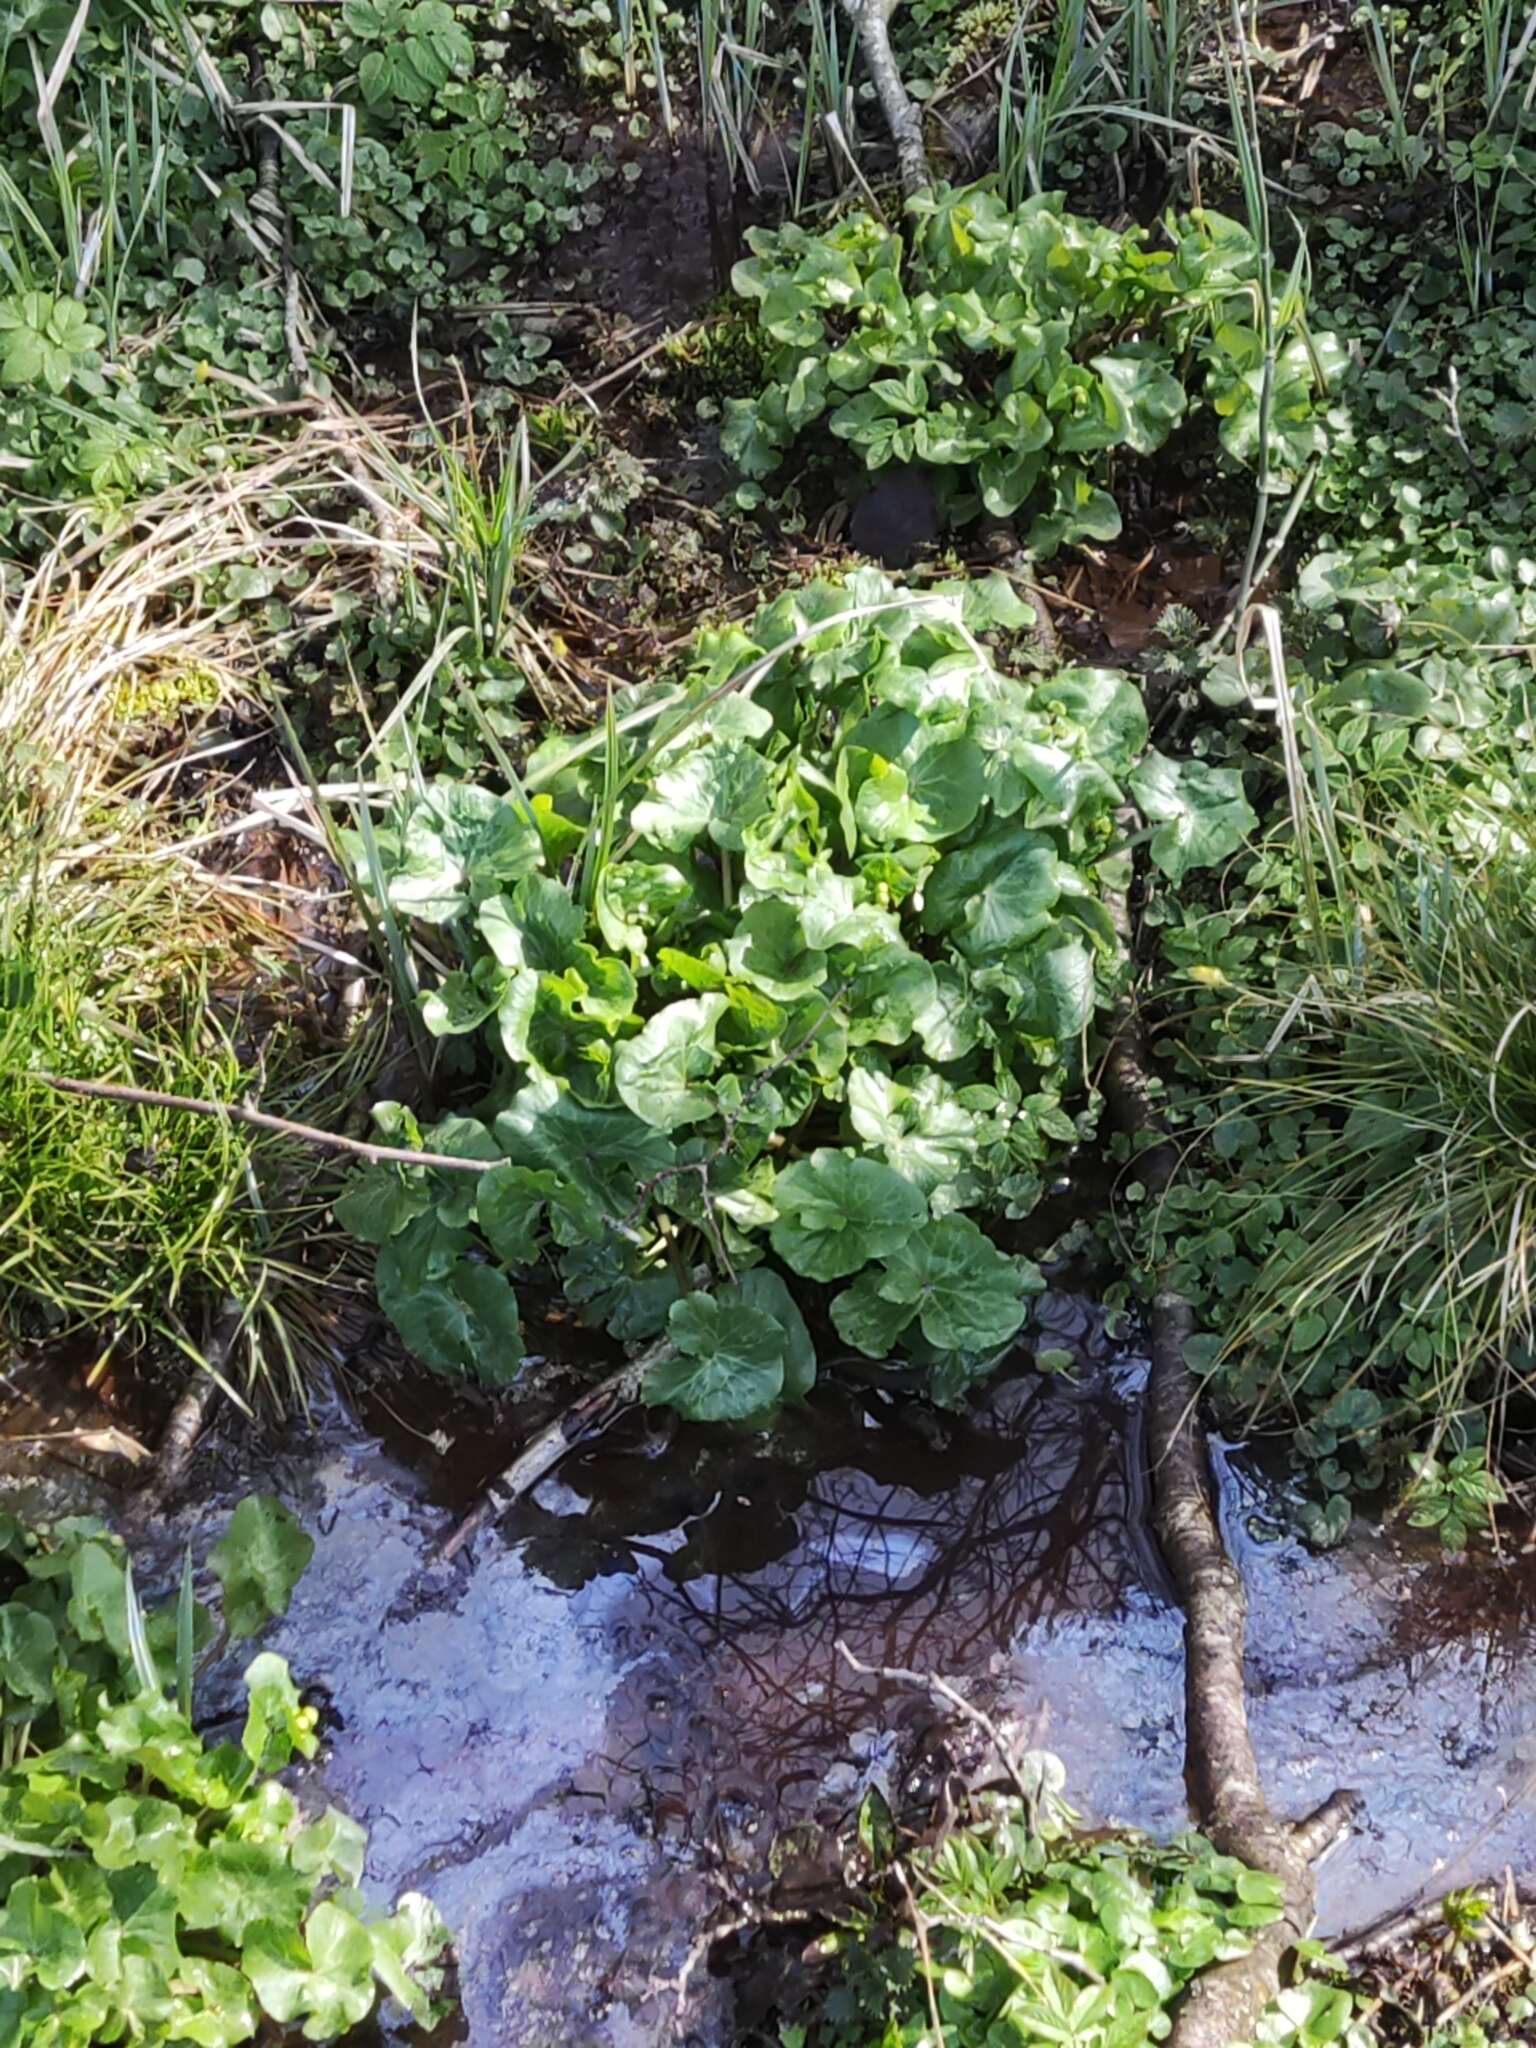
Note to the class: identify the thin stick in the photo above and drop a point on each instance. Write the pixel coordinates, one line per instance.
(920, 1929)
(737, 1923)
(1476, 1993)
(589, 1412)
(263, 1120)
(929, 1681)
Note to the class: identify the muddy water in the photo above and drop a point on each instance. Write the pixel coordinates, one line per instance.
(583, 1735)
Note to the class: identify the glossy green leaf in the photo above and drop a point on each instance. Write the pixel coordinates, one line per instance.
(657, 1073)
(838, 1211)
(728, 1361)
(968, 1295)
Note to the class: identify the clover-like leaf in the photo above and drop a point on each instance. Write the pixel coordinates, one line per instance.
(887, 994)
(637, 902)
(926, 1134)
(28, 1643)
(458, 845)
(463, 1321)
(761, 1288)
(277, 1722)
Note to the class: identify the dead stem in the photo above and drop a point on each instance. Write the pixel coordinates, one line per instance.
(588, 1413)
(188, 1419)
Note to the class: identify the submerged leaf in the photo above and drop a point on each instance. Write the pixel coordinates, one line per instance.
(258, 1561)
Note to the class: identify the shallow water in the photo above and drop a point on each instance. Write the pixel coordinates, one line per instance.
(584, 1734)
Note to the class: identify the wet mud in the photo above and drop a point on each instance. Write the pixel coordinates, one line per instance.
(584, 1735)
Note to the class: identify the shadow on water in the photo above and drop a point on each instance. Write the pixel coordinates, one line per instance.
(583, 1736)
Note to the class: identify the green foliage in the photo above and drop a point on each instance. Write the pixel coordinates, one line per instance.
(411, 48)
(153, 1887)
(260, 1560)
(135, 1222)
(1427, 452)
(620, 45)
(1354, 1050)
(454, 178)
(1033, 1934)
(798, 960)
(1014, 349)
(48, 341)
(415, 166)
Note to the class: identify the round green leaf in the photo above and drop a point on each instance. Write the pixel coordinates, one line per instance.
(838, 1211)
(729, 1361)
(258, 1561)
(969, 1296)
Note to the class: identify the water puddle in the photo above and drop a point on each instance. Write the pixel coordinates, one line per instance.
(583, 1736)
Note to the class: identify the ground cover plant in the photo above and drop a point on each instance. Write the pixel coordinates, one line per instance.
(786, 975)
(1016, 1928)
(1362, 1261)
(156, 1886)
(757, 987)
(154, 1236)
(1012, 349)
(1011, 1927)
(197, 211)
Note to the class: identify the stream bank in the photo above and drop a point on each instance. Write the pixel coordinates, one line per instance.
(583, 1736)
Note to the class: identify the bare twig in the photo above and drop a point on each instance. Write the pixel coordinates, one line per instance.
(188, 1419)
(738, 1923)
(1476, 1993)
(929, 1681)
(587, 1414)
(920, 1929)
(1409, 1923)
(1317, 1833)
(263, 1120)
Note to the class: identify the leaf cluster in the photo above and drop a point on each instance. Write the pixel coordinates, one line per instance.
(1351, 1048)
(786, 976)
(136, 279)
(1015, 350)
(1031, 1933)
(153, 1886)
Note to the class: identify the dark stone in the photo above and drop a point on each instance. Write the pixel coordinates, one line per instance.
(896, 517)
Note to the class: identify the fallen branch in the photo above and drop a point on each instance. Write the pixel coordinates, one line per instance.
(872, 19)
(1409, 1923)
(584, 1417)
(1225, 2001)
(188, 1419)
